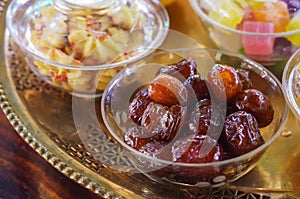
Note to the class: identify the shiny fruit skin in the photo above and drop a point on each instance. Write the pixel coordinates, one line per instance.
(244, 77)
(200, 87)
(182, 70)
(167, 90)
(241, 133)
(206, 119)
(134, 137)
(162, 123)
(189, 150)
(225, 82)
(257, 103)
(138, 105)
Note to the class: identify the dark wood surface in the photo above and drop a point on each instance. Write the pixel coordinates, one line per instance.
(24, 174)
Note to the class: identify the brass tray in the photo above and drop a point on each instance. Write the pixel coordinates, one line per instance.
(42, 116)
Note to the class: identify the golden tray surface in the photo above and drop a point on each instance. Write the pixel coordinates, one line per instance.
(42, 115)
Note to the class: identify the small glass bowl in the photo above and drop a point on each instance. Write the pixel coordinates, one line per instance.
(119, 92)
(80, 45)
(291, 83)
(268, 48)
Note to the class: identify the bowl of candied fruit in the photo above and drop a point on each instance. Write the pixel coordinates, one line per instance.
(79, 46)
(265, 31)
(195, 117)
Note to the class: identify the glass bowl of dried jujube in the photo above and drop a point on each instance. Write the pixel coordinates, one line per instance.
(200, 117)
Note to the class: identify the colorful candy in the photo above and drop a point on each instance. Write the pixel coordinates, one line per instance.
(294, 24)
(256, 45)
(228, 13)
(274, 12)
(261, 17)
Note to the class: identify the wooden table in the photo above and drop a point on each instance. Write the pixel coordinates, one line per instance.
(24, 174)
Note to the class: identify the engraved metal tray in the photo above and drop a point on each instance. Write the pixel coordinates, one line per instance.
(42, 116)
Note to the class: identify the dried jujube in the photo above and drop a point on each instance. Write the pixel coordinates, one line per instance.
(206, 118)
(241, 133)
(138, 105)
(162, 123)
(257, 103)
(168, 87)
(135, 138)
(244, 77)
(167, 90)
(199, 85)
(225, 82)
(197, 149)
(185, 68)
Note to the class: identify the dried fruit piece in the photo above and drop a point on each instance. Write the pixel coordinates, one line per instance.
(167, 90)
(197, 149)
(206, 119)
(138, 105)
(257, 103)
(241, 133)
(162, 123)
(134, 137)
(224, 81)
(200, 87)
(244, 77)
(152, 114)
(186, 68)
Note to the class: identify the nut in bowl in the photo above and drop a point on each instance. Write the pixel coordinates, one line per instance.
(80, 46)
(265, 31)
(194, 117)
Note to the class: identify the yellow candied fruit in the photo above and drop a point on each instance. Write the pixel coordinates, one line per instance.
(294, 24)
(228, 14)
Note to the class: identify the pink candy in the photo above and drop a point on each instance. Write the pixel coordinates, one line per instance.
(258, 45)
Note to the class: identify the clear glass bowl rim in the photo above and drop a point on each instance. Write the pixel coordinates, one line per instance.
(158, 40)
(288, 93)
(213, 164)
(197, 8)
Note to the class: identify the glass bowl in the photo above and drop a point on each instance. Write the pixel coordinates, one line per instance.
(80, 45)
(265, 31)
(291, 83)
(120, 91)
